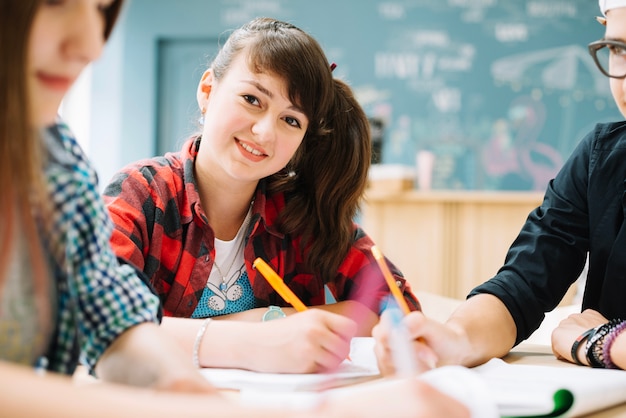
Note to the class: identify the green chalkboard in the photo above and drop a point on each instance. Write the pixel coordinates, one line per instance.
(500, 91)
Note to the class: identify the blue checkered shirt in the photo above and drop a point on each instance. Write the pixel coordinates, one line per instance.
(98, 298)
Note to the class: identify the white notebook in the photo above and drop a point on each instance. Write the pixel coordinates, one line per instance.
(530, 390)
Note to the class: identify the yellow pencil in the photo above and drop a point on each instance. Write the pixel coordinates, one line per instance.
(391, 282)
(278, 284)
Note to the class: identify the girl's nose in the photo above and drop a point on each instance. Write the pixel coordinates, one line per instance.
(264, 129)
(85, 36)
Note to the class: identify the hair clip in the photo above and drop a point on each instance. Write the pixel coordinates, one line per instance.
(332, 67)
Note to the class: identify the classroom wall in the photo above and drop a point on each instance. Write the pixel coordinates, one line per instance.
(501, 91)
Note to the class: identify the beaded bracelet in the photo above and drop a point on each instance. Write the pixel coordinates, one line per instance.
(595, 344)
(608, 342)
(196, 345)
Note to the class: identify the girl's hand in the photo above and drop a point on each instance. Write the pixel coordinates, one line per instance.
(306, 342)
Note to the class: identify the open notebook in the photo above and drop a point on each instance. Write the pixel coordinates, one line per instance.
(543, 391)
(495, 389)
(500, 389)
(361, 366)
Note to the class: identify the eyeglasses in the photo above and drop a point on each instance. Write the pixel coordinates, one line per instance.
(610, 57)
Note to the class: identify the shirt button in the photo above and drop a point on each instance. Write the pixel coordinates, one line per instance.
(398, 283)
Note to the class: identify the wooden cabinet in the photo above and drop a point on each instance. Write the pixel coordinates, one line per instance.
(446, 242)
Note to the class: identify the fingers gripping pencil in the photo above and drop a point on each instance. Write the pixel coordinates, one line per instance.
(279, 286)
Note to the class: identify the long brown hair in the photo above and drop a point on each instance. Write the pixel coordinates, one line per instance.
(23, 196)
(327, 175)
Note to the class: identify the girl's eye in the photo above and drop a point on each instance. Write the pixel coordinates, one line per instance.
(251, 99)
(292, 122)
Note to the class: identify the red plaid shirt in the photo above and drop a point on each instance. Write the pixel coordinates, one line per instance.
(161, 228)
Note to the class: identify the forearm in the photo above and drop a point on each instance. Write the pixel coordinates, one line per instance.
(234, 337)
(142, 356)
(311, 341)
(225, 344)
(26, 394)
(487, 326)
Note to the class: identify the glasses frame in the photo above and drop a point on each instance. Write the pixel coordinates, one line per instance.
(595, 46)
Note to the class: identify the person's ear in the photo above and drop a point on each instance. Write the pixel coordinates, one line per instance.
(204, 89)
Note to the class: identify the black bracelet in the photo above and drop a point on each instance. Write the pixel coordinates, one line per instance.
(595, 344)
(584, 336)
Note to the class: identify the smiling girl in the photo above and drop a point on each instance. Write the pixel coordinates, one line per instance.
(62, 291)
(277, 172)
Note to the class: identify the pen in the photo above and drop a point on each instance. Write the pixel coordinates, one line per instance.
(391, 282)
(278, 284)
(400, 341)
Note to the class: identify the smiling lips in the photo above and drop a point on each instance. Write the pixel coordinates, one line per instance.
(251, 153)
(53, 82)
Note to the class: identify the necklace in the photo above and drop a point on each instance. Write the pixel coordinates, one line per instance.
(223, 284)
(240, 235)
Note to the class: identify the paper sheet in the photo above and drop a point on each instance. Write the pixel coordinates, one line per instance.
(361, 366)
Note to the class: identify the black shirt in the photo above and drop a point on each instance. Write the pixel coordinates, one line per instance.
(582, 211)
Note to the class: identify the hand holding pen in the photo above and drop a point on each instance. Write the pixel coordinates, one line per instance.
(400, 344)
(329, 333)
(396, 349)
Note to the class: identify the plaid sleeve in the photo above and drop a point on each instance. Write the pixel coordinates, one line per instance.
(110, 297)
(126, 198)
(361, 279)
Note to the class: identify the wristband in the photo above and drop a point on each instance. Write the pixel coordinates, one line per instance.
(196, 345)
(581, 338)
(273, 312)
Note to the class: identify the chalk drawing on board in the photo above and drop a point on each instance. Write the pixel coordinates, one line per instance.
(515, 155)
(560, 69)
